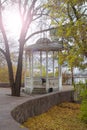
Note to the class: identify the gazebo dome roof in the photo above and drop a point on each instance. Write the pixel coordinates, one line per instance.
(43, 40)
(45, 44)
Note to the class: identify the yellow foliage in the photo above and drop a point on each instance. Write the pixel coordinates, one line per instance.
(4, 74)
(60, 117)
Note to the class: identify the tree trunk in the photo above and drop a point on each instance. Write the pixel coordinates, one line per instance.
(72, 75)
(11, 75)
(17, 85)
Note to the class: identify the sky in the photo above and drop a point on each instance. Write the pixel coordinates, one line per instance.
(12, 21)
(12, 24)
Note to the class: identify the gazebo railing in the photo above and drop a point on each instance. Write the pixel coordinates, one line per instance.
(52, 81)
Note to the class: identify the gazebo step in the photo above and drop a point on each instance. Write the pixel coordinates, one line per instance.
(39, 91)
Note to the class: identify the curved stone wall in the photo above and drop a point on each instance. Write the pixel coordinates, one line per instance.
(40, 104)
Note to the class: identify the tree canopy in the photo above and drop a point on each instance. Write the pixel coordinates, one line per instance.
(70, 18)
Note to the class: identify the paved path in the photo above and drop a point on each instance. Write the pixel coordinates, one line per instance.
(7, 103)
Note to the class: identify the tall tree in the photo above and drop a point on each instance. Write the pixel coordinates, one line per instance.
(70, 18)
(29, 10)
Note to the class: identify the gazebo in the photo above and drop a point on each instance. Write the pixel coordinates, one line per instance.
(37, 62)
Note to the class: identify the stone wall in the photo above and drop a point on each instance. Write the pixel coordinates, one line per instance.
(4, 85)
(7, 85)
(40, 104)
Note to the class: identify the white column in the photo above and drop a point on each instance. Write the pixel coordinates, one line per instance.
(25, 68)
(47, 83)
(53, 66)
(27, 88)
(59, 76)
(31, 71)
(29, 64)
(41, 63)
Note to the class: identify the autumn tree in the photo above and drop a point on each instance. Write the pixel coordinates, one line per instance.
(70, 18)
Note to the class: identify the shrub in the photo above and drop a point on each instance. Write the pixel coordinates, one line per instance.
(81, 89)
(83, 111)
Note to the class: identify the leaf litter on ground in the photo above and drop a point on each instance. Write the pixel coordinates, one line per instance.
(60, 117)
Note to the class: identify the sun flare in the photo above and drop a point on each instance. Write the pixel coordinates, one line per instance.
(13, 22)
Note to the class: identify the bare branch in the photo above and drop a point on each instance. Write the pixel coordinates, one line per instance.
(36, 14)
(83, 13)
(75, 12)
(49, 16)
(20, 11)
(28, 20)
(30, 9)
(3, 30)
(37, 32)
(37, 18)
(3, 2)
(25, 4)
(70, 17)
(3, 52)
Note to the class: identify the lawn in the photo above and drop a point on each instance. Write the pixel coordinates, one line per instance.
(65, 116)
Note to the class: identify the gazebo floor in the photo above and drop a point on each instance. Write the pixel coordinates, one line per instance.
(39, 89)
